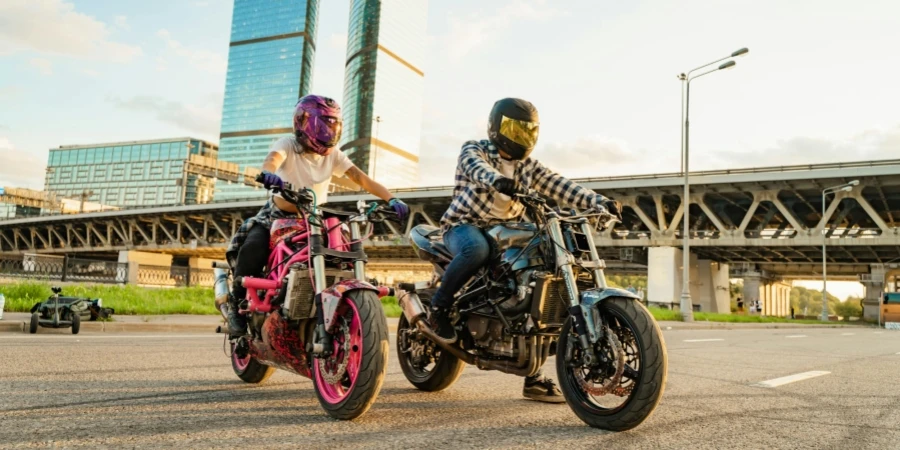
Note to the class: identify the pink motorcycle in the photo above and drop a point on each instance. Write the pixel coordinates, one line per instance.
(313, 313)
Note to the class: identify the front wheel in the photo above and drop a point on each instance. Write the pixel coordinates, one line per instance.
(602, 396)
(348, 382)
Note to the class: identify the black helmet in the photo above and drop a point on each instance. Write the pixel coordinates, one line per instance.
(513, 127)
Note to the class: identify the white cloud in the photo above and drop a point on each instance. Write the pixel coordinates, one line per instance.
(161, 64)
(90, 73)
(478, 28)
(199, 119)
(20, 168)
(44, 66)
(202, 59)
(54, 27)
(122, 22)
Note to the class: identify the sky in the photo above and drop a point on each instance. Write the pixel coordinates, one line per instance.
(819, 84)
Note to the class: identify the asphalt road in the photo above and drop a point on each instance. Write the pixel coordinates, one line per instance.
(168, 391)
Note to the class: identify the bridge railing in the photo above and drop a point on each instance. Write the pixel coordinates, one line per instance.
(63, 269)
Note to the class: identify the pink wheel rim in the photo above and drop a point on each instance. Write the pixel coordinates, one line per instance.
(335, 393)
(239, 363)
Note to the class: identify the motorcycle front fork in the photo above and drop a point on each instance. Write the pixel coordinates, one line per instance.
(586, 325)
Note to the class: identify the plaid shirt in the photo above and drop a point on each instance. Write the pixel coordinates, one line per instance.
(476, 171)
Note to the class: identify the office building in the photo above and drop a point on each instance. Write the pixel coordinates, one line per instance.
(137, 173)
(383, 88)
(269, 67)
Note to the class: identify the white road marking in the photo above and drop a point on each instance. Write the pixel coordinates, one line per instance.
(790, 379)
(795, 336)
(848, 334)
(898, 353)
(703, 340)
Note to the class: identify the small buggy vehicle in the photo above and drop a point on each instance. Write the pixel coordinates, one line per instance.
(65, 312)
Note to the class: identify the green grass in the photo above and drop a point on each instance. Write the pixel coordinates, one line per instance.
(391, 307)
(134, 300)
(668, 314)
(127, 300)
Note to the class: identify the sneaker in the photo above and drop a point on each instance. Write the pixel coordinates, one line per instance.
(440, 323)
(543, 390)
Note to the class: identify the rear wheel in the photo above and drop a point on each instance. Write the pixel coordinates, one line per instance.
(76, 322)
(601, 396)
(424, 364)
(248, 369)
(35, 321)
(348, 382)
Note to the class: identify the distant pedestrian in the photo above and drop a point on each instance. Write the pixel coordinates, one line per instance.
(740, 305)
(640, 292)
(792, 312)
(631, 289)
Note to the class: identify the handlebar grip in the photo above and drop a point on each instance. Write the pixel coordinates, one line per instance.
(384, 291)
(220, 265)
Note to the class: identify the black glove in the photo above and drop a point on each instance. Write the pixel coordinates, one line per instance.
(506, 186)
(613, 206)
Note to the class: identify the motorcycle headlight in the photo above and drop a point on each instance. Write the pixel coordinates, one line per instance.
(99, 302)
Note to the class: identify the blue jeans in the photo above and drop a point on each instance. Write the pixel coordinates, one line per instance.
(471, 251)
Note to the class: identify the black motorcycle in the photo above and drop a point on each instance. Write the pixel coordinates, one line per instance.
(543, 293)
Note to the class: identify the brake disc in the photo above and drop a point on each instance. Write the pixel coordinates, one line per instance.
(612, 386)
(340, 368)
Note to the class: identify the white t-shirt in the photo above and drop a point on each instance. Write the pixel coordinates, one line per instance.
(307, 169)
(501, 208)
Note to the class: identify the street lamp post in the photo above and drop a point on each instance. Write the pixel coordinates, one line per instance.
(846, 187)
(686, 306)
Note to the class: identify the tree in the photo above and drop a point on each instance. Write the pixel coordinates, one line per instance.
(849, 308)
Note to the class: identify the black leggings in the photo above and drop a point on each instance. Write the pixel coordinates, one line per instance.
(251, 259)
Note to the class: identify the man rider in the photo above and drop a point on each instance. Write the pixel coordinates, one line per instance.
(308, 159)
(488, 175)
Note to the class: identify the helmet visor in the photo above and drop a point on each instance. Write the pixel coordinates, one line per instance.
(326, 130)
(521, 132)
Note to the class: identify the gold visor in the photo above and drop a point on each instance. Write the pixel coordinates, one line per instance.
(519, 131)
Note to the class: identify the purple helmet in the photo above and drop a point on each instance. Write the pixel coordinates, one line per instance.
(317, 123)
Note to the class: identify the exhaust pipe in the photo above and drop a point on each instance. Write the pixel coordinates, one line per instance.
(412, 307)
(220, 287)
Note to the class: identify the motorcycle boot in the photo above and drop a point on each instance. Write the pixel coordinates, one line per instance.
(237, 322)
(440, 323)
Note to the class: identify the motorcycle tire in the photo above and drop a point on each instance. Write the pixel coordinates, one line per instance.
(368, 331)
(446, 370)
(76, 322)
(35, 322)
(651, 381)
(248, 369)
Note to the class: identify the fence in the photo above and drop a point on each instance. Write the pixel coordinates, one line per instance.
(64, 269)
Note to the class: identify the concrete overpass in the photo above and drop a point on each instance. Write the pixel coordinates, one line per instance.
(767, 220)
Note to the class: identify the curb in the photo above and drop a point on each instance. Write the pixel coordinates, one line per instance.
(126, 327)
(12, 326)
(762, 326)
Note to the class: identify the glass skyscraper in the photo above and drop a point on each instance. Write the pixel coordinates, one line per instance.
(383, 88)
(269, 67)
(134, 173)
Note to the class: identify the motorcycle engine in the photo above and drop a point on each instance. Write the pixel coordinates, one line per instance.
(487, 332)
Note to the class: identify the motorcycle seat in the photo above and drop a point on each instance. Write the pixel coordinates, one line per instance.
(434, 236)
